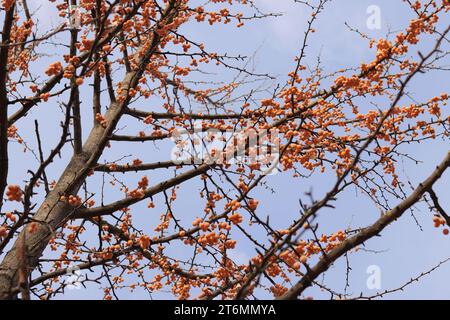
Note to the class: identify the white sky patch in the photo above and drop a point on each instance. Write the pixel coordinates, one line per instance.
(239, 257)
(45, 13)
(288, 29)
(332, 36)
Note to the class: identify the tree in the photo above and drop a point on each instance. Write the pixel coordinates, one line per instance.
(133, 64)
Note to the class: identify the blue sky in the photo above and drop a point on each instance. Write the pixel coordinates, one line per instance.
(405, 249)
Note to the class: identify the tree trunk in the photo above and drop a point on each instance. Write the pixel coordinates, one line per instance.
(53, 212)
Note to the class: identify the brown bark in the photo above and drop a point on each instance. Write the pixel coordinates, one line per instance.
(4, 51)
(53, 212)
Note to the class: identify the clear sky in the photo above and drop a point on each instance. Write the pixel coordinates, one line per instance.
(405, 249)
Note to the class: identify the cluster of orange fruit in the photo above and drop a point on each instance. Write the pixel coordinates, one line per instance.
(101, 120)
(53, 69)
(14, 193)
(74, 201)
(144, 242)
(439, 221)
(136, 194)
(7, 4)
(12, 132)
